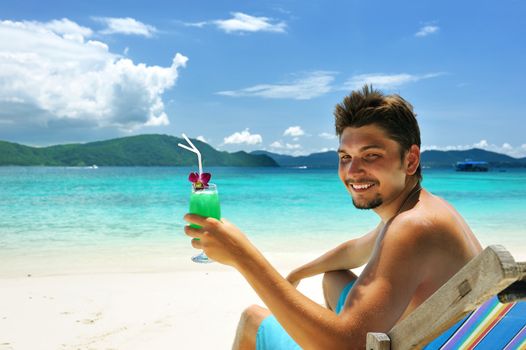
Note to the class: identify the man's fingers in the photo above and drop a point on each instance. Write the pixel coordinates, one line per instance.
(192, 232)
(196, 243)
(195, 219)
(295, 284)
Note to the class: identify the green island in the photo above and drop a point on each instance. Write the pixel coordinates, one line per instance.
(141, 150)
(162, 150)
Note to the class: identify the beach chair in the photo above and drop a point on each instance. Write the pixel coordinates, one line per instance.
(478, 308)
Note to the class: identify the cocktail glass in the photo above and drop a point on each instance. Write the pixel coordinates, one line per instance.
(204, 202)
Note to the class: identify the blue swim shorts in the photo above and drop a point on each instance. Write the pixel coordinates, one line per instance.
(271, 336)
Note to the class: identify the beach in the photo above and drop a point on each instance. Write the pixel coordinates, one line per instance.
(304, 124)
(97, 259)
(180, 310)
(183, 306)
(179, 306)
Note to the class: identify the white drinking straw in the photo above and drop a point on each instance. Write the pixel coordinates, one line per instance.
(192, 149)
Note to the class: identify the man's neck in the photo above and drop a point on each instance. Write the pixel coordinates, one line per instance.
(387, 211)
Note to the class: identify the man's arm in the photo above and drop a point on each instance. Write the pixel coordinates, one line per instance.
(388, 284)
(375, 303)
(348, 255)
(312, 326)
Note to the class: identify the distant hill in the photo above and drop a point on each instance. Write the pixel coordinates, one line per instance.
(449, 158)
(434, 159)
(141, 150)
(162, 150)
(315, 160)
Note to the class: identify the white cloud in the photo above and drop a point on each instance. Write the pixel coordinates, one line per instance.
(317, 83)
(481, 144)
(505, 148)
(241, 22)
(427, 30)
(243, 137)
(328, 136)
(195, 24)
(128, 26)
(276, 144)
(52, 75)
(69, 29)
(292, 149)
(292, 146)
(385, 81)
(294, 131)
(201, 138)
(306, 87)
(326, 149)
(287, 146)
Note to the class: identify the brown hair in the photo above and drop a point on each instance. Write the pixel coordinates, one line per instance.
(390, 112)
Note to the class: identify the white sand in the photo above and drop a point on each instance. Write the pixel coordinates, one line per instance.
(167, 306)
(193, 306)
(181, 310)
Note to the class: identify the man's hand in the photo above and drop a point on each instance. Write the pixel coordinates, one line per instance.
(221, 241)
(293, 279)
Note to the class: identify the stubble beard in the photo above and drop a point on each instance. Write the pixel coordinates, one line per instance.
(374, 203)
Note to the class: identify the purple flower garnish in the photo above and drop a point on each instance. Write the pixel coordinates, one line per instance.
(200, 181)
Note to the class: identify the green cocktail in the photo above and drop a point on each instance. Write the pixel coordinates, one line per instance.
(204, 202)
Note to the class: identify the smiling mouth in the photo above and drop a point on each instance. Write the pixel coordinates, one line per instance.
(361, 187)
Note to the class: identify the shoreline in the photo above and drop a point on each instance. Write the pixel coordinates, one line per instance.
(143, 260)
(168, 255)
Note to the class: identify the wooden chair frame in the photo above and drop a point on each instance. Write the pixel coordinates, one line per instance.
(493, 272)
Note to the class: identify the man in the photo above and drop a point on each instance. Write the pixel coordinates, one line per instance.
(419, 243)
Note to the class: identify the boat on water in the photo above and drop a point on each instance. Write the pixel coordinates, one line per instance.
(473, 166)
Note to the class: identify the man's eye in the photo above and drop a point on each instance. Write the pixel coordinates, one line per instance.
(372, 156)
(345, 157)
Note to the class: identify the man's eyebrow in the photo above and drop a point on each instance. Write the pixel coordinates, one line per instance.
(364, 148)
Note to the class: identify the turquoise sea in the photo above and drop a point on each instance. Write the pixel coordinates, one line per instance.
(57, 209)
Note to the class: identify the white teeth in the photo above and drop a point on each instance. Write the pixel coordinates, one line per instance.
(361, 187)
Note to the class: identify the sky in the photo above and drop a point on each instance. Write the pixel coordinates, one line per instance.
(259, 75)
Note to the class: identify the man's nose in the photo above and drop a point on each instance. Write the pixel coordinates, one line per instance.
(356, 166)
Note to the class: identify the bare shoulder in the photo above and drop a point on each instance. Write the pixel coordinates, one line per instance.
(434, 233)
(432, 218)
(420, 249)
(414, 227)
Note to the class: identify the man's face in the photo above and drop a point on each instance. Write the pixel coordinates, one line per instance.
(370, 166)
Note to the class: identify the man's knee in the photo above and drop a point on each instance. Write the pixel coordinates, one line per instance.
(328, 276)
(248, 326)
(252, 317)
(332, 278)
(333, 283)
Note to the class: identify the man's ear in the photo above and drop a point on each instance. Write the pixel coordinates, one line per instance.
(412, 159)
